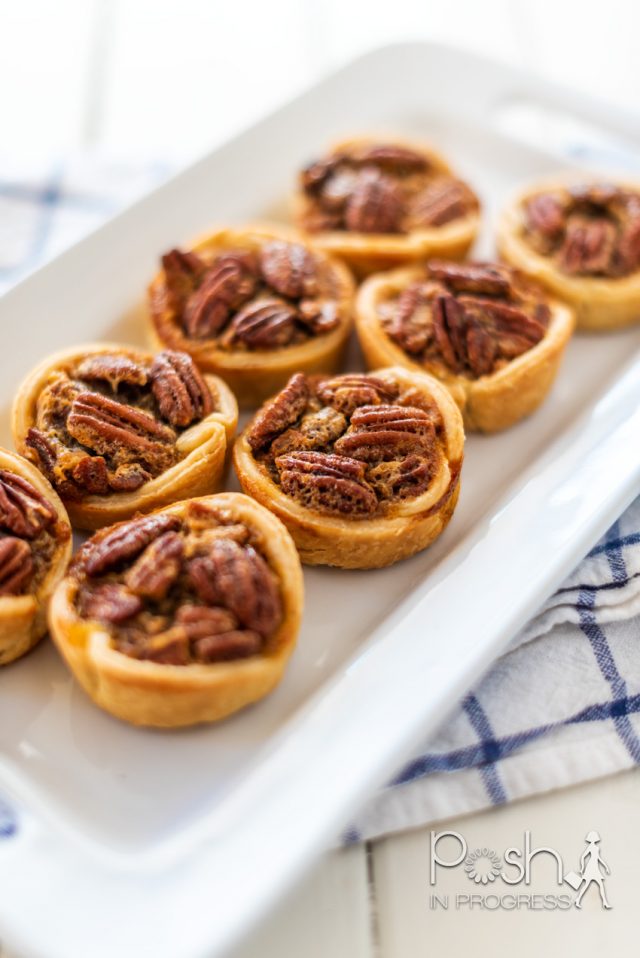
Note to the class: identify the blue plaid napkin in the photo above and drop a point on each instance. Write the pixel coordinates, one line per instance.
(562, 706)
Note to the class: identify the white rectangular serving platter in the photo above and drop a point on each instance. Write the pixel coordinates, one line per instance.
(133, 842)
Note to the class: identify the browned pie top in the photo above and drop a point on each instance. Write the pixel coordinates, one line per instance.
(351, 446)
(469, 318)
(180, 589)
(109, 423)
(29, 533)
(381, 188)
(280, 296)
(587, 230)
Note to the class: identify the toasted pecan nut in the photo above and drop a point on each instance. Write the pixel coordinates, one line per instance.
(110, 602)
(180, 391)
(327, 483)
(282, 412)
(182, 270)
(16, 565)
(123, 543)
(346, 393)
(443, 199)
(289, 268)
(114, 370)
(375, 206)
(226, 286)
(183, 616)
(262, 324)
(157, 569)
(239, 578)
(23, 510)
(393, 158)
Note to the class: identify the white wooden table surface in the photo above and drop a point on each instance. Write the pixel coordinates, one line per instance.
(115, 75)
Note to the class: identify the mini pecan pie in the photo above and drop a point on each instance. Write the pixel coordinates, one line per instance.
(379, 204)
(362, 469)
(35, 547)
(253, 306)
(182, 616)
(490, 334)
(581, 241)
(118, 431)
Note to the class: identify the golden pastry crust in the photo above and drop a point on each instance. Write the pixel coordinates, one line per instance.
(153, 693)
(255, 374)
(369, 252)
(600, 302)
(23, 617)
(202, 447)
(399, 529)
(488, 402)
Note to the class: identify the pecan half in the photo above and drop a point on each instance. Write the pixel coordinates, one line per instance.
(156, 570)
(109, 602)
(443, 199)
(544, 215)
(411, 325)
(280, 413)
(47, 449)
(318, 315)
(239, 579)
(266, 323)
(375, 206)
(16, 565)
(379, 433)
(289, 268)
(399, 160)
(337, 189)
(112, 369)
(23, 510)
(588, 245)
(229, 283)
(179, 388)
(123, 543)
(448, 328)
(215, 636)
(327, 483)
(488, 278)
(118, 430)
(346, 393)
(181, 274)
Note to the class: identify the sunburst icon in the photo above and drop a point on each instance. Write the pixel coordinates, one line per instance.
(482, 865)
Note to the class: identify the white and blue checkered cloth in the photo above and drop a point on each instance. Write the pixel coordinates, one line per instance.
(562, 706)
